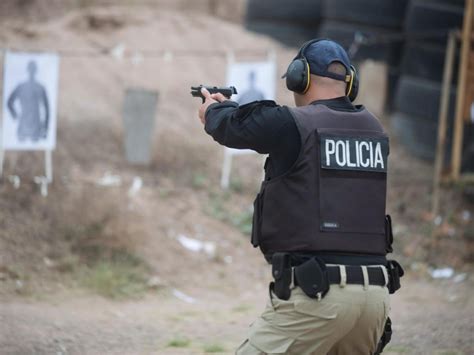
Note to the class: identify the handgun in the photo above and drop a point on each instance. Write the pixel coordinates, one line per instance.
(227, 91)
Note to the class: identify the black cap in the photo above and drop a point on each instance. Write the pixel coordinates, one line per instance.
(321, 54)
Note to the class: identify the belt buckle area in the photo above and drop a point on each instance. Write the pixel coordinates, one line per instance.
(343, 274)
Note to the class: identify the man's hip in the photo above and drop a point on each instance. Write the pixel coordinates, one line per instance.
(348, 317)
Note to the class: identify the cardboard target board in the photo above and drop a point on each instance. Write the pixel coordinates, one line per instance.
(30, 92)
(254, 81)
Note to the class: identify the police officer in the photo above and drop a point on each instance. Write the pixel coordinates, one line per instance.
(319, 217)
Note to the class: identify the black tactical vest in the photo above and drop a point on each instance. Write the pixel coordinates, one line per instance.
(333, 198)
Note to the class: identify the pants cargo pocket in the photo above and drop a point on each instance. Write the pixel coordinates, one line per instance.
(318, 309)
(268, 339)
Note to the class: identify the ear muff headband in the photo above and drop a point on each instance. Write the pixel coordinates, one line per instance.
(306, 45)
(299, 79)
(298, 75)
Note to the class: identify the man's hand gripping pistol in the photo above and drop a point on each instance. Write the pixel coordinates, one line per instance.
(227, 91)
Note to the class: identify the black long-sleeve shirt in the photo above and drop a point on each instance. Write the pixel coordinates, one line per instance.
(270, 129)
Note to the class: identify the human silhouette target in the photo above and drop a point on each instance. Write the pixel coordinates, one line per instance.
(29, 103)
(254, 81)
(251, 92)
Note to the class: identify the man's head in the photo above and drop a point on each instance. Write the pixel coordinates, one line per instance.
(321, 70)
(252, 78)
(32, 68)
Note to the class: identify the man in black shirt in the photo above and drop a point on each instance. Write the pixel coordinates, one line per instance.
(322, 163)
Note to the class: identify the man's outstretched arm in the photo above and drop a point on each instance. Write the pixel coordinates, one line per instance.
(11, 103)
(257, 125)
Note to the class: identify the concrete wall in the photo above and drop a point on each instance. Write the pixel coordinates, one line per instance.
(40, 10)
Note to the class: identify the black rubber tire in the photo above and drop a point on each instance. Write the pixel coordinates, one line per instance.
(426, 60)
(418, 135)
(468, 193)
(467, 161)
(460, 3)
(420, 98)
(305, 13)
(290, 35)
(433, 17)
(382, 13)
(344, 33)
(393, 76)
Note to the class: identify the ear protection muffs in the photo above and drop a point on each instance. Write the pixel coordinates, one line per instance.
(352, 88)
(298, 77)
(298, 74)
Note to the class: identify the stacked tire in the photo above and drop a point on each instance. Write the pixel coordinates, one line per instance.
(409, 35)
(295, 21)
(292, 22)
(379, 22)
(375, 20)
(418, 92)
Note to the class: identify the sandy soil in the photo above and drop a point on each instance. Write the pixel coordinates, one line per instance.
(429, 318)
(169, 51)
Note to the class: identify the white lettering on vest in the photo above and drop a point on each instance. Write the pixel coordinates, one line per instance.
(357, 154)
(329, 151)
(378, 156)
(367, 160)
(340, 153)
(353, 153)
(348, 153)
(371, 151)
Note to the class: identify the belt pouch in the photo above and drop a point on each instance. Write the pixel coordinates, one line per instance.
(312, 278)
(281, 271)
(388, 234)
(257, 220)
(395, 271)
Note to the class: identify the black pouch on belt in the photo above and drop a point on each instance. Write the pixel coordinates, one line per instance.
(395, 271)
(281, 271)
(312, 278)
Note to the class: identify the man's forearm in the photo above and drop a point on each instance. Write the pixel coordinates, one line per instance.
(253, 126)
(220, 124)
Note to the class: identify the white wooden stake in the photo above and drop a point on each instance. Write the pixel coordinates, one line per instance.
(2, 155)
(226, 168)
(48, 165)
(42, 181)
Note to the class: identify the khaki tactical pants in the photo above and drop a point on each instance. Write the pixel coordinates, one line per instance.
(349, 320)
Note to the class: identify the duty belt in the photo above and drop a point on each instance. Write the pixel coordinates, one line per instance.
(351, 274)
(376, 275)
(314, 276)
